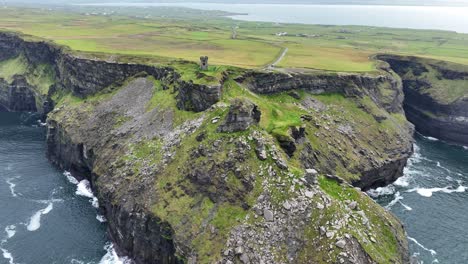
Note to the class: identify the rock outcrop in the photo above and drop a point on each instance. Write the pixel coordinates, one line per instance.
(197, 97)
(242, 114)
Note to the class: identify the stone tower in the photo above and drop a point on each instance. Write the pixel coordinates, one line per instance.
(234, 32)
(204, 63)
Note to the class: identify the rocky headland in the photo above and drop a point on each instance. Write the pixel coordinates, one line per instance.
(226, 167)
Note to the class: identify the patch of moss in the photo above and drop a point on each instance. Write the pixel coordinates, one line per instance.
(13, 66)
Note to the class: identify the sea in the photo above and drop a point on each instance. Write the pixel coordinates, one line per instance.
(451, 18)
(46, 215)
(431, 199)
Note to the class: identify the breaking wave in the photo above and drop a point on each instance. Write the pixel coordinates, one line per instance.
(70, 178)
(403, 181)
(428, 192)
(83, 188)
(381, 191)
(101, 218)
(111, 256)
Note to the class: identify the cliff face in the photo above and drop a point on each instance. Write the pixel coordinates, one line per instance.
(17, 96)
(348, 84)
(221, 184)
(436, 100)
(380, 156)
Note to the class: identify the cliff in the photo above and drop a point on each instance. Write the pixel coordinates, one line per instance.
(223, 167)
(436, 100)
(369, 153)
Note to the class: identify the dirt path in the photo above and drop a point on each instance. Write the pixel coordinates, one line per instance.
(278, 60)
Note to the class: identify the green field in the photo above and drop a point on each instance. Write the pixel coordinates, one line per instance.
(333, 48)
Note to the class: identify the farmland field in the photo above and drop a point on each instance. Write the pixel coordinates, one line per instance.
(162, 38)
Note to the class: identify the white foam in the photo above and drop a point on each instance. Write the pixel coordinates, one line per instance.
(428, 192)
(84, 189)
(381, 191)
(70, 178)
(433, 252)
(407, 208)
(7, 255)
(35, 221)
(111, 256)
(403, 181)
(12, 187)
(431, 138)
(101, 218)
(397, 198)
(11, 231)
(41, 124)
(465, 147)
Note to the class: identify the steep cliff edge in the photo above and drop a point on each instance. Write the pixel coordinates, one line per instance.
(213, 170)
(372, 146)
(436, 96)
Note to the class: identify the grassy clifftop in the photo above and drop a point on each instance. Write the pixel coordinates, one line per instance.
(334, 48)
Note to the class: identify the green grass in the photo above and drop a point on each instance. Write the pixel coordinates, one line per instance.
(164, 100)
(9, 68)
(122, 34)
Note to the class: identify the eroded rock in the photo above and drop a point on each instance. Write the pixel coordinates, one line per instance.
(242, 114)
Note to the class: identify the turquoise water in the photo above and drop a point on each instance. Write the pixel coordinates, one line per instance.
(432, 201)
(417, 17)
(45, 216)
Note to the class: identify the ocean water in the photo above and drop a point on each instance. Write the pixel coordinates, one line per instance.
(452, 18)
(46, 216)
(431, 199)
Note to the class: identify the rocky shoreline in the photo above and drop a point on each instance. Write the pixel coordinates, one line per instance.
(170, 186)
